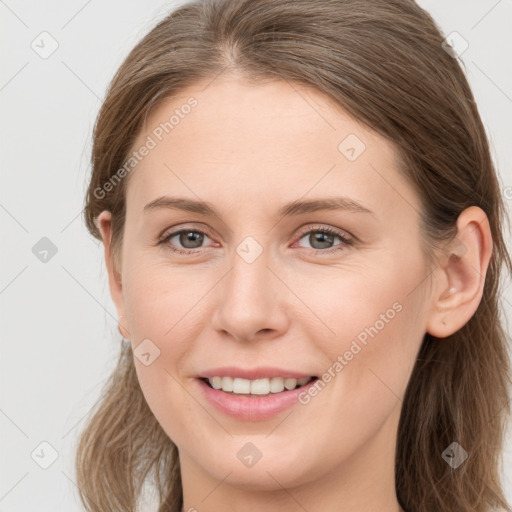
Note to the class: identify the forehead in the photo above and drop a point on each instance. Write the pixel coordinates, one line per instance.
(228, 139)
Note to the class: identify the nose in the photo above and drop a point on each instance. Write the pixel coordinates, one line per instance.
(251, 301)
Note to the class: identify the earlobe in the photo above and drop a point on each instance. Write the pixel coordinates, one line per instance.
(104, 223)
(460, 276)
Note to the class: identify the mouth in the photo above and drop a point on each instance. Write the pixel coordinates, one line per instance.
(254, 400)
(237, 386)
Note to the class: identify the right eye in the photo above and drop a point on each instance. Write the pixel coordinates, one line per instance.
(194, 237)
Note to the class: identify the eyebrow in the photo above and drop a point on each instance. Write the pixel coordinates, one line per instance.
(293, 208)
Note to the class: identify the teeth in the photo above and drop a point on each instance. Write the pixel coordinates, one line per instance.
(276, 385)
(260, 387)
(290, 383)
(256, 387)
(227, 384)
(241, 386)
(216, 382)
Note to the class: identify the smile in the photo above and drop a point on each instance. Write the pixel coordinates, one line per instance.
(265, 386)
(253, 400)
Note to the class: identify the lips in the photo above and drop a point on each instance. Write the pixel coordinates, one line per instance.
(253, 373)
(251, 408)
(253, 394)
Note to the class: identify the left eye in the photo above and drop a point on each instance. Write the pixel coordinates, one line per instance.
(324, 237)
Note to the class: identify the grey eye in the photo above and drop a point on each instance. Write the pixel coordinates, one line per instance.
(190, 239)
(319, 239)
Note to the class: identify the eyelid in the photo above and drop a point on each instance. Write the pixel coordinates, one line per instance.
(323, 227)
(187, 227)
(301, 231)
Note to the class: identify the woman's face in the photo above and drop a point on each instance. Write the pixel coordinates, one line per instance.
(258, 292)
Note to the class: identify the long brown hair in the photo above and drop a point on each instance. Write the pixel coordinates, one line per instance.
(384, 63)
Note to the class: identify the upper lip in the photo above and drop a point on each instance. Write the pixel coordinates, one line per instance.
(260, 372)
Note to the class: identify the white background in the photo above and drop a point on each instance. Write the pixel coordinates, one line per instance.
(58, 331)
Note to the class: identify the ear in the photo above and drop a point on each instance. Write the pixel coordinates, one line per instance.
(461, 274)
(104, 223)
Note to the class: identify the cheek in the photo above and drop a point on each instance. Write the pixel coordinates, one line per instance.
(164, 305)
(374, 324)
(158, 297)
(166, 399)
(160, 307)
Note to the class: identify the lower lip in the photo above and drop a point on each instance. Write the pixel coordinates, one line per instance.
(255, 408)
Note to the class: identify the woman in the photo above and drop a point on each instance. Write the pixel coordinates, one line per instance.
(303, 234)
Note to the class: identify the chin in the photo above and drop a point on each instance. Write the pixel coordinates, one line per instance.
(277, 468)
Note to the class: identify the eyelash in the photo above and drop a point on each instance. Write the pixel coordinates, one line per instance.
(346, 242)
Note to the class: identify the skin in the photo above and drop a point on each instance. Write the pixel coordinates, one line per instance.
(248, 149)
